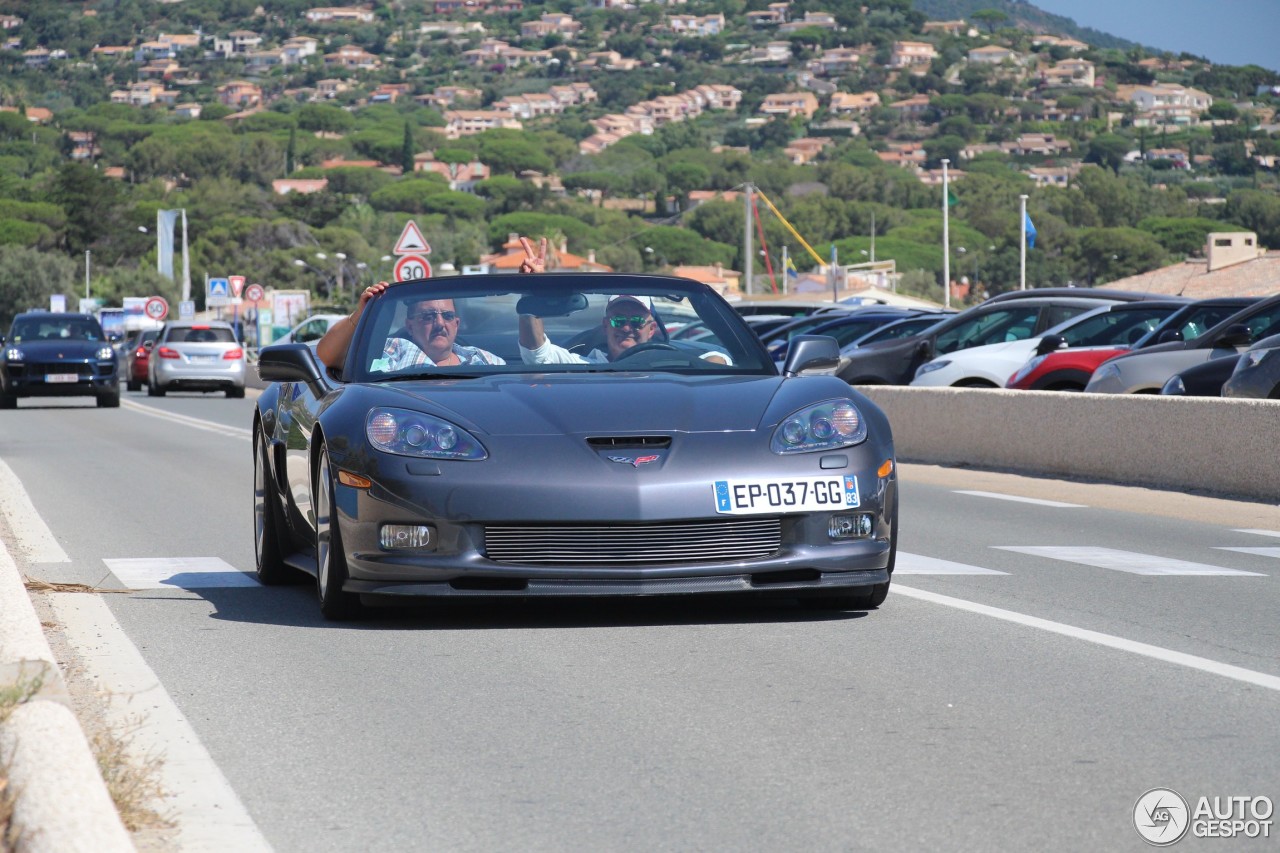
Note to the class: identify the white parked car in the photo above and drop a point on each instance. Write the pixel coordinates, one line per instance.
(991, 365)
(310, 330)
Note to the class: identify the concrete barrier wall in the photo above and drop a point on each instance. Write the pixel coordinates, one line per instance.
(1225, 446)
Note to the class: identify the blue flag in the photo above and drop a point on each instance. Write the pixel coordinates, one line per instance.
(1030, 230)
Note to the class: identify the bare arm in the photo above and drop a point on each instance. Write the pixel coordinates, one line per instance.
(332, 348)
(532, 332)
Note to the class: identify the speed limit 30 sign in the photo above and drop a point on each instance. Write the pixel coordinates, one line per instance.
(411, 267)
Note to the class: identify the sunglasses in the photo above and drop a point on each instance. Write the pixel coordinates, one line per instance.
(633, 322)
(430, 316)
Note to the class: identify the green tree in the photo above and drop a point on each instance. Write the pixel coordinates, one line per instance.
(31, 276)
(1108, 150)
(989, 18)
(407, 150)
(90, 200)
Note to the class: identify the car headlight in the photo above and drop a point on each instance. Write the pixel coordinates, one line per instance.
(930, 367)
(1106, 371)
(1175, 385)
(825, 426)
(13, 354)
(407, 433)
(1025, 370)
(106, 354)
(1250, 360)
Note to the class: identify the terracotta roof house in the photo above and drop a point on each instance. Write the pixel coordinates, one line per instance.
(1234, 265)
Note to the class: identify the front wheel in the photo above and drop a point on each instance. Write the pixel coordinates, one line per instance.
(110, 400)
(331, 557)
(270, 565)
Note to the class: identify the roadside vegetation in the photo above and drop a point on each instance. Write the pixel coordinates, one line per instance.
(80, 189)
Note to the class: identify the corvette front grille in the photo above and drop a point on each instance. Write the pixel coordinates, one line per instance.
(662, 543)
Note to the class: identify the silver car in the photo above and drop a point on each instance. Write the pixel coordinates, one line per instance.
(196, 356)
(1145, 371)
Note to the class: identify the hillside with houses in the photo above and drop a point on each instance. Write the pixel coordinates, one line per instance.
(625, 132)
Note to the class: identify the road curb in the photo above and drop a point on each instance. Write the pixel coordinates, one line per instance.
(60, 802)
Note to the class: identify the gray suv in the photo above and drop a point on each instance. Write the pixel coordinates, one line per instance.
(1008, 317)
(1146, 370)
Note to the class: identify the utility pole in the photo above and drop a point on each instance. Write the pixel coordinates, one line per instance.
(747, 251)
(946, 237)
(1022, 254)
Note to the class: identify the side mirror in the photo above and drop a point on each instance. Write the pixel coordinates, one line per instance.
(1050, 343)
(811, 352)
(292, 363)
(149, 345)
(1235, 335)
(926, 350)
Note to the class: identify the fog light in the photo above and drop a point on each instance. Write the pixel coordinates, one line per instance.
(856, 526)
(398, 537)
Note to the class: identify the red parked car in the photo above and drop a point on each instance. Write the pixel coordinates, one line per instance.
(135, 372)
(1061, 370)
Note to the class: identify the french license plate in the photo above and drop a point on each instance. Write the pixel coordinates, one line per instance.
(61, 377)
(797, 494)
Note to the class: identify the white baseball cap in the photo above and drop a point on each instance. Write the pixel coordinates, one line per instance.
(645, 302)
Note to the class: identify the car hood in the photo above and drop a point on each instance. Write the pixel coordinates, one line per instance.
(60, 349)
(1006, 349)
(618, 404)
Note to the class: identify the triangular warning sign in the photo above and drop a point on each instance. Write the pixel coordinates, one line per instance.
(411, 241)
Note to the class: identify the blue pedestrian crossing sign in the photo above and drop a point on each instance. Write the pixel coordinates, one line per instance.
(219, 292)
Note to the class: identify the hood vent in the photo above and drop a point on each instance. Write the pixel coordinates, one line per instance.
(632, 442)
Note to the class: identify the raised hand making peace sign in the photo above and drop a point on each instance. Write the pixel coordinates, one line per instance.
(534, 262)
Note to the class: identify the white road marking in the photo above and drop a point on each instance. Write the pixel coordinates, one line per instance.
(1248, 676)
(181, 572)
(1018, 499)
(1260, 552)
(1259, 532)
(36, 540)
(1124, 561)
(197, 423)
(916, 564)
(209, 815)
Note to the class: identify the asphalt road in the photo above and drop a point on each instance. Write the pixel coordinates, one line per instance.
(1011, 694)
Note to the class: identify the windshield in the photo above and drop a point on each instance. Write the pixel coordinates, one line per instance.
(55, 328)
(1114, 327)
(501, 324)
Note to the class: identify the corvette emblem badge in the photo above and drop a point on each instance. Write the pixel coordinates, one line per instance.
(633, 461)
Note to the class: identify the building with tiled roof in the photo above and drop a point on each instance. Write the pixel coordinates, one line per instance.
(285, 186)
(1234, 265)
(511, 255)
(723, 281)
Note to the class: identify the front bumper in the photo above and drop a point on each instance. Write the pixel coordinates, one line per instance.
(458, 562)
(31, 379)
(176, 374)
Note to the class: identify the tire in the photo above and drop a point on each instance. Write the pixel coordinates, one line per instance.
(154, 390)
(331, 558)
(235, 393)
(109, 401)
(8, 401)
(133, 385)
(268, 559)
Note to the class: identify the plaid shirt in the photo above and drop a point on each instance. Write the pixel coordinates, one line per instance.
(400, 353)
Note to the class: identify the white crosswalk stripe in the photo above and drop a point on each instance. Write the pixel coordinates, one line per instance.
(1124, 561)
(1258, 552)
(916, 564)
(179, 572)
(1258, 532)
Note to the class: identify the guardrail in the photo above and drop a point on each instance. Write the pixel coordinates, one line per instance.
(1195, 444)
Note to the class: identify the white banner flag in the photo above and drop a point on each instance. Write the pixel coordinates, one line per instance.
(165, 220)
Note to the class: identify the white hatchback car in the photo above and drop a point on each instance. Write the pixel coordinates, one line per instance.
(310, 330)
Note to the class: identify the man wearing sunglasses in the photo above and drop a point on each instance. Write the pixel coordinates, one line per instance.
(431, 327)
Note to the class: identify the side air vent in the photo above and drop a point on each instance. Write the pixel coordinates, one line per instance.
(633, 441)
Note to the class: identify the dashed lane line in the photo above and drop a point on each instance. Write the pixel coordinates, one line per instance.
(1018, 499)
(1226, 670)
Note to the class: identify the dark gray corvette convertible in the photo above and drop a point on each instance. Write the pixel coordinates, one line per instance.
(548, 435)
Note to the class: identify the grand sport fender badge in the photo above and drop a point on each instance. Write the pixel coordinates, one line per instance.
(634, 461)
